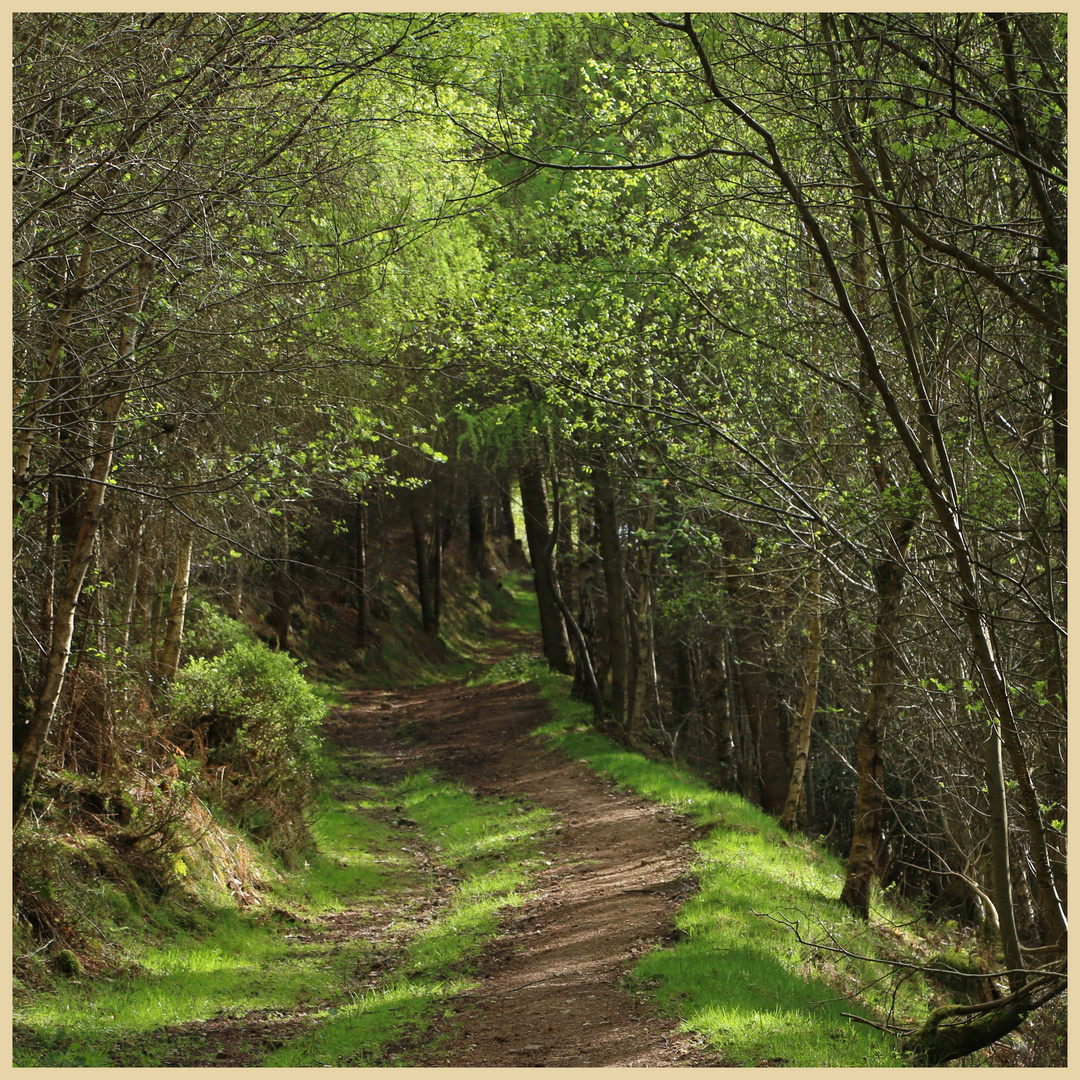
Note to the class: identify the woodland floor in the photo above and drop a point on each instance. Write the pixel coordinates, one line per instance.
(551, 987)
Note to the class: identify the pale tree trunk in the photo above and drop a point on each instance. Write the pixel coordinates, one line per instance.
(37, 733)
(802, 724)
(178, 598)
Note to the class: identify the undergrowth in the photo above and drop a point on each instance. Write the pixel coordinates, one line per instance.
(426, 864)
(736, 973)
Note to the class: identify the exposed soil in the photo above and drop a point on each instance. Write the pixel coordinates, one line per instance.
(552, 986)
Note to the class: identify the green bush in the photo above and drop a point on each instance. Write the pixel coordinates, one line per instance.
(251, 720)
(211, 633)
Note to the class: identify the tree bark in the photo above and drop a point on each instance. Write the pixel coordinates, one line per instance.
(363, 599)
(425, 582)
(540, 537)
(643, 658)
(763, 709)
(174, 622)
(889, 578)
(802, 725)
(584, 665)
(1001, 873)
(611, 555)
(477, 532)
(93, 508)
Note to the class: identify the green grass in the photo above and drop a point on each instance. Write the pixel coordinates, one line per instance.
(244, 961)
(491, 845)
(738, 976)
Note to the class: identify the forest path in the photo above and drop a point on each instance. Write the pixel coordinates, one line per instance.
(551, 986)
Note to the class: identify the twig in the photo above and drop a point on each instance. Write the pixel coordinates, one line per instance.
(951, 972)
(512, 990)
(26, 956)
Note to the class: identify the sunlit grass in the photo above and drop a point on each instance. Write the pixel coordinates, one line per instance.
(739, 977)
(243, 961)
(490, 844)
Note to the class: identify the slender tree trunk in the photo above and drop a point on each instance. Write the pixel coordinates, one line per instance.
(477, 532)
(280, 617)
(588, 587)
(769, 746)
(33, 408)
(425, 584)
(611, 555)
(804, 717)
(178, 598)
(506, 508)
(93, 508)
(128, 610)
(540, 537)
(871, 798)
(363, 600)
(439, 537)
(1001, 873)
(581, 647)
(643, 660)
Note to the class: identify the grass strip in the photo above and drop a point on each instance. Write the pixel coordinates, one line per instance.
(276, 960)
(739, 979)
(492, 846)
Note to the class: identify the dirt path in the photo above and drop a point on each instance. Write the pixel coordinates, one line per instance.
(551, 990)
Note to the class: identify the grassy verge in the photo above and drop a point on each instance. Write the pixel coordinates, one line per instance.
(490, 846)
(737, 975)
(386, 849)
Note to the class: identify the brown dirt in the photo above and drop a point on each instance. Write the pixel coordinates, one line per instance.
(551, 987)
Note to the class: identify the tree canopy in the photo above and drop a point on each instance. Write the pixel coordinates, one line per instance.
(762, 317)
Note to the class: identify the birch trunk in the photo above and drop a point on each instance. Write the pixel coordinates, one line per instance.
(178, 598)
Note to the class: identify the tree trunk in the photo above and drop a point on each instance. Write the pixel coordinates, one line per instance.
(804, 717)
(539, 536)
(363, 599)
(588, 578)
(762, 707)
(477, 533)
(581, 647)
(889, 578)
(506, 510)
(611, 555)
(1001, 873)
(425, 585)
(174, 622)
(82, 553)
(280, 617)
(643, 660)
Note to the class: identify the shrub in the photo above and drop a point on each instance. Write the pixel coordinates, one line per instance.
(252, 721)
(212, 633)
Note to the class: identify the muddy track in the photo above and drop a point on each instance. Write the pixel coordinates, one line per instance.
(551, 987)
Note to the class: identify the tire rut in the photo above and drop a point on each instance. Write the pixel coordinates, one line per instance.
(552, 986)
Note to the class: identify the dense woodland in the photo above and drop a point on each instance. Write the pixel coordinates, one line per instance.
(757, 321)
